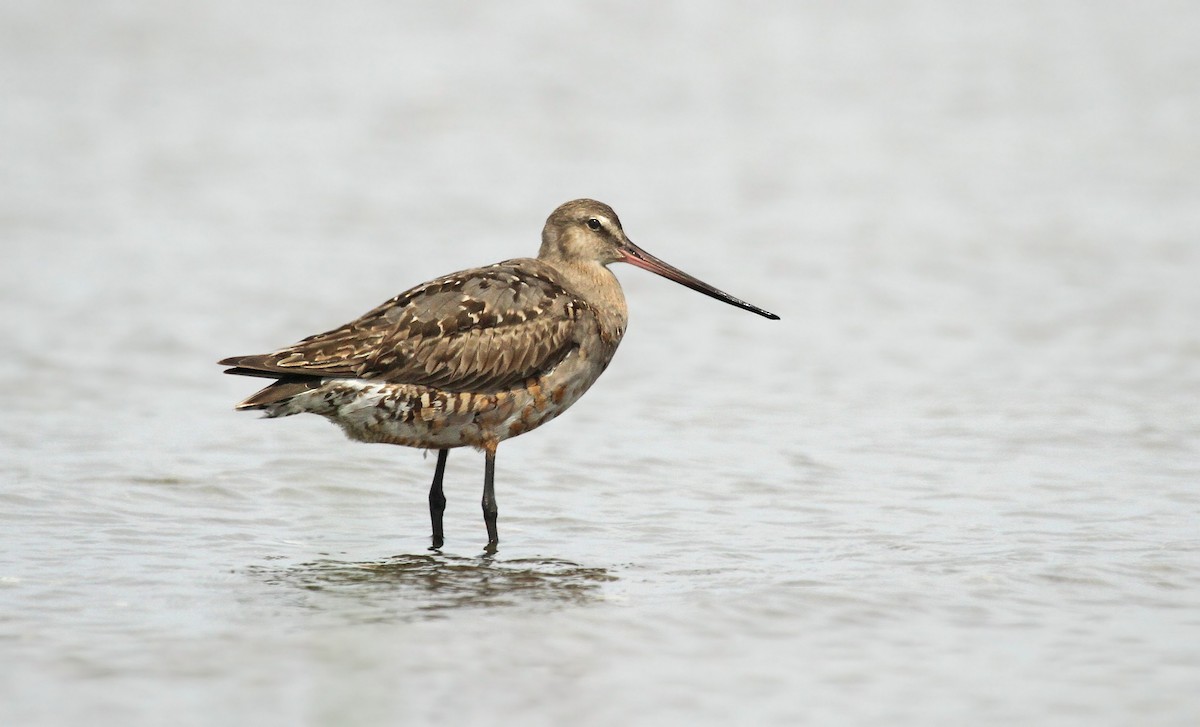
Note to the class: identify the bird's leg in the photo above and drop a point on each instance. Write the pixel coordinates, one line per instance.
(489, 497)
(437, 499)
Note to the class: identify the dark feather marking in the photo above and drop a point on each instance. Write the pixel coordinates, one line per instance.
(481, 330)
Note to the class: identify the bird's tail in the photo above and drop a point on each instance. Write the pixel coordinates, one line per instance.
(277, 394)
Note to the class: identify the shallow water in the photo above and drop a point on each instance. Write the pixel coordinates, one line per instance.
(957, 482)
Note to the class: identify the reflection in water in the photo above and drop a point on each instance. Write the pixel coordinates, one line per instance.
(425, 586)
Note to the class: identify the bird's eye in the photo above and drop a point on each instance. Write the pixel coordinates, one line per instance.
(593, 223)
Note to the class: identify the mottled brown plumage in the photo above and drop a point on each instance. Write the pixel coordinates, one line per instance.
(478, 330)
(473, 358)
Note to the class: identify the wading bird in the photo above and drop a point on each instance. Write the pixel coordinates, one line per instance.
(472, 358)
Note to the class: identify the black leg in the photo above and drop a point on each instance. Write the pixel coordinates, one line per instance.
(489, 498)
(437, 499)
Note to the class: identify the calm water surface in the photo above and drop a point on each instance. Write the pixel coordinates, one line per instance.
(956, 483)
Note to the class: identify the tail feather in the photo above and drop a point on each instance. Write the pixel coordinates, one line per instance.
(279, 392)
(242, 371)
(285, 386)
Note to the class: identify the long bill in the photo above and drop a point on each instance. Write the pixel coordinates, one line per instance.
(635, 255)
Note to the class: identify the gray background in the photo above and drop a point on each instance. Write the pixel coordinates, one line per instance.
(956, 483)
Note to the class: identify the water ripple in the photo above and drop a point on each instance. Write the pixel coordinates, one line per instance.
(420, 586)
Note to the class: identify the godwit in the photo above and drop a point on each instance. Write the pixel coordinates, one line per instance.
(472, 358)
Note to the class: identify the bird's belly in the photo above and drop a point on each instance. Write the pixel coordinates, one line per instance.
(420, 416)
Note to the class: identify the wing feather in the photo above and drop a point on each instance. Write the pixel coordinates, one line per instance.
(479, 330)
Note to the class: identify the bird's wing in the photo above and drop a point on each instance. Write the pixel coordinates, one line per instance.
(478, 330)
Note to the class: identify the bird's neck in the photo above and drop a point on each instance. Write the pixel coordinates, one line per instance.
(597, 285)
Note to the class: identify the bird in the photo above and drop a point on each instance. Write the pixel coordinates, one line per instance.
(472, 358)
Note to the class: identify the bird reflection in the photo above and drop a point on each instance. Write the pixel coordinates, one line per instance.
(432, 585)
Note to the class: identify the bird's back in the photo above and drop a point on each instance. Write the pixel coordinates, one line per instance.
(481, 330)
